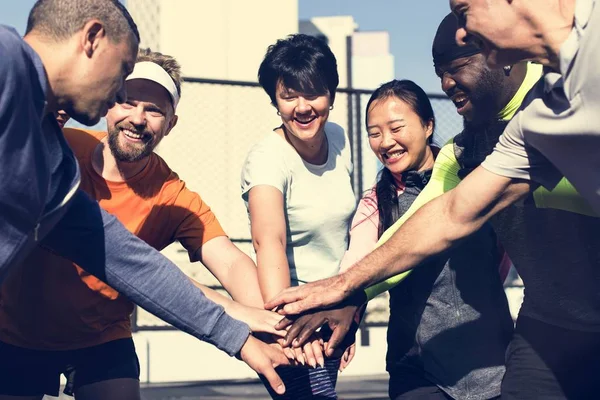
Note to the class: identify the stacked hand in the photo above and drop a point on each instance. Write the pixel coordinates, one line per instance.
(263, 359)
(338, 322)
(311, 296)
(259, 321)
(325, 304)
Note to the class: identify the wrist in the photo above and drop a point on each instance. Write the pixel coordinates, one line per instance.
(239, 354)
(348, 283)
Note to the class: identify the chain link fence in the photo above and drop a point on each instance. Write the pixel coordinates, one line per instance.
(219, 121)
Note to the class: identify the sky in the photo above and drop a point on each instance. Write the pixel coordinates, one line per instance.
(411, 25)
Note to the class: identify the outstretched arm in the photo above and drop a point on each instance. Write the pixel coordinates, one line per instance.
(233, 269)
(435, 228)
(258, 319)
(100, 244)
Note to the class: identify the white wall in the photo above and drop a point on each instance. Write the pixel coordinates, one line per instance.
(177, 357)
(224, 39)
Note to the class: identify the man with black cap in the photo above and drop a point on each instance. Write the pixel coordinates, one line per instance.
(550, 232)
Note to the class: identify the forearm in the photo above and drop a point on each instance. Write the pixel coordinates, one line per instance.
(401, 252)
(241, 282)
(363, 237)
(233, 269)
(273, 270)
(438, 226)
(100, 244)
(228, 304)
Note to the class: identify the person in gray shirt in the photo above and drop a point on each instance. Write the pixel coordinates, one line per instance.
(40, 202)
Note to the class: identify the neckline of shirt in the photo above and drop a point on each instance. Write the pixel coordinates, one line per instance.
(310, 166)
(127, 183)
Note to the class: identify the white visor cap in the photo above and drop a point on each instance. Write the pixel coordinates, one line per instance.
(155, 73)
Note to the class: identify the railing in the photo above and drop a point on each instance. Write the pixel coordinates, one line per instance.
(218, 123)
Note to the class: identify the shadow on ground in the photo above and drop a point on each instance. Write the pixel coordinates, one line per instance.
(349, 388)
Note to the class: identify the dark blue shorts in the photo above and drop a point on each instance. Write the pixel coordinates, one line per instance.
(545, 361)
(27, 372)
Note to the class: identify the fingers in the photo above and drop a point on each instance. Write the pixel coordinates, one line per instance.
(274, 380)
(343, 361)
(309, 326)
(339, 332)
(288, 352)
(284, 323)
(347, 357)
(286, 296)
(317, 347)
(273, 331)
(271, 322)
(310, 355)
(263, 359)
(302, 329)
(278, 357)
(299, 356)
(299, 306)
(293, 331)
(267, 324)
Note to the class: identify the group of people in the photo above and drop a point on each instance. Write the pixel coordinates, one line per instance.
(525, 165)
(85, 213)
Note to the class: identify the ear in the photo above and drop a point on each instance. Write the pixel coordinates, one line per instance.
(429, 128)
(172, 124)
(92, 34)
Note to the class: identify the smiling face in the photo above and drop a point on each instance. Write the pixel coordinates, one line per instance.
(497, 27)
(303, 114)
(472, 86)
(397, 135)
(137, 126)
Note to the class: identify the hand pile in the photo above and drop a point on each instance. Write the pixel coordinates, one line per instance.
(320, 320)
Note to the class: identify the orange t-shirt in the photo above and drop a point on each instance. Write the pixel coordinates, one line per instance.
(50, 303)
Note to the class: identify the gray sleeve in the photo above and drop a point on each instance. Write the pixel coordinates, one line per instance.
(514, 158)
(101, 245)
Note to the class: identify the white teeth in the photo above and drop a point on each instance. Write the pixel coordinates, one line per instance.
(305, 121)
(131, 134)
(396, 154)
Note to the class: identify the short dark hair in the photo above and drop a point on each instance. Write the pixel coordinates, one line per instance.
(301, 62)
(60, 19)
(410, 93)
(386, 188)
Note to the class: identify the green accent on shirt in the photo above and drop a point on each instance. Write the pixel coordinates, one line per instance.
(445, 177)
(534, 73)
